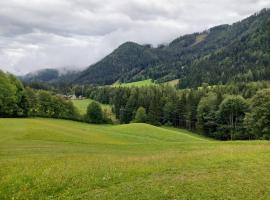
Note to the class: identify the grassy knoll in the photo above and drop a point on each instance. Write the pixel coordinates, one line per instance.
(58, 159)
(148, 82)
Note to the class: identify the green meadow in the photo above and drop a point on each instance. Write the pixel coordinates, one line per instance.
(144, 83)
(59, 159)
(82, 104)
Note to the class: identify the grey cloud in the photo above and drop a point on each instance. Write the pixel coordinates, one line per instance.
(55, 33)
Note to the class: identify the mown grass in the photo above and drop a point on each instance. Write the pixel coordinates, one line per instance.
(82, 104)
(172, 83)
(144, 83)
(58, 159)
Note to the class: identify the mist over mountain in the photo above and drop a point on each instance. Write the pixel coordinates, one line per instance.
(224, 53)
(50, 75)
(218, 55)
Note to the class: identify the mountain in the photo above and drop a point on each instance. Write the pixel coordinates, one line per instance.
(225, 53)
(123, 64)
(237, 52)
(51, 76)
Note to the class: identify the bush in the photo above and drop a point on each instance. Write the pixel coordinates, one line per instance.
(94, 113)
(140, 116)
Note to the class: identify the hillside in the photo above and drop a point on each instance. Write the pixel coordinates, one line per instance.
(241, 49)
(225, 53)
(58, 159)
(121, 65)
(51, 76)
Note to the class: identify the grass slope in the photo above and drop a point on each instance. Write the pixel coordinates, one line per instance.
(82, 105)
(172, 83)
(144, 83)
(58, 159)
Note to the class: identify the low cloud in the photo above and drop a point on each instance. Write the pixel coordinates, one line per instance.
(36, 34)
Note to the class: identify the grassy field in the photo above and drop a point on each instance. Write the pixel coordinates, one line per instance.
(172, 82)
(148, 82)
(58, 159)
(82, 105)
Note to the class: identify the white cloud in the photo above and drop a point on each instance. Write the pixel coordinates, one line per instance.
(37, 34)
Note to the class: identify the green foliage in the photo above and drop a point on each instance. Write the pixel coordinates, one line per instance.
(94, 113)
(140, 116)
(231, 113)
(201, 109)
(258, 120)
(12, 98)
(52, 106)
(17, 101)
(206, 113)
(168, 113)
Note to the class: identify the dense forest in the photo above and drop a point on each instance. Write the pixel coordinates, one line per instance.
(225, 112)
(232, 111)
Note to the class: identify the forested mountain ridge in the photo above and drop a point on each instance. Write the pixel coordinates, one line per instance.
(51, 76)
(123, 64)
(245, 58)
(218, 55)
(225, 53)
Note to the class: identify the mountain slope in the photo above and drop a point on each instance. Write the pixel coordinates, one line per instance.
(122, 64)
(245, 57)
(51, 76)
(241, 49)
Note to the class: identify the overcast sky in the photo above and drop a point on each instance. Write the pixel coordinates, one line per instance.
(36, 34)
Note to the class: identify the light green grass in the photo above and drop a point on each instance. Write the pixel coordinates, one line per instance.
(58, 159)
(172, 83)
(82, 105)
(144, 83)
(199, 39)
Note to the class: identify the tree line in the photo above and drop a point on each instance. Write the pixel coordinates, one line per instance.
(16, 100)
(19, 101)
(225, 112)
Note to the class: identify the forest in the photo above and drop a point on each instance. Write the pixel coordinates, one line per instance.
(226, 112)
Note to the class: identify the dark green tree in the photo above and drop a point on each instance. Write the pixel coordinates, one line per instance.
(94, 113)
(232, 112)
(8, 96)
(169, 112)
(140, 116)
(206, 113)
(258, 120)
